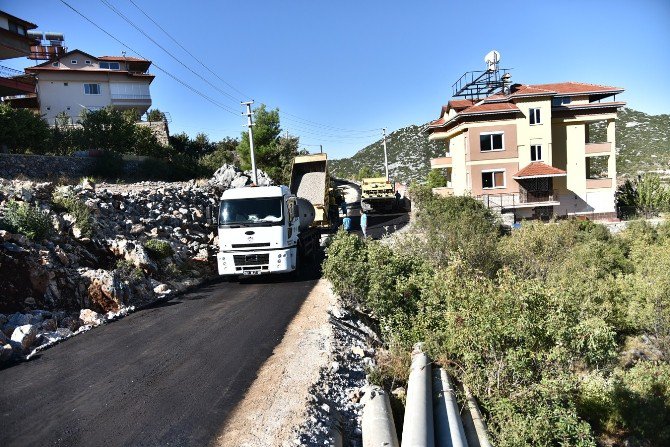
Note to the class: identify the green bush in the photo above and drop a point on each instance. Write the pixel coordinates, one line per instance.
(21, 217)
(634, 401)
(66, 200)
(158, 249)
(23, 130)
(109, 166)
(456, 226)
(345, 267)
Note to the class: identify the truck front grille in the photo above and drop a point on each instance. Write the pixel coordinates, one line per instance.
(253, 259)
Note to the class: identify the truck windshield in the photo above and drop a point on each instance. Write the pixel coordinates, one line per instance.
(260, 210)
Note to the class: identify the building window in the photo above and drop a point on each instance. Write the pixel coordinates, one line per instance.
(92, 89)
(110, 65)
(535, 116)
(560, 101)
(493, 179)
(73, 61)
(491, 141)
(535, 152)
(87, 62)
(65, 84)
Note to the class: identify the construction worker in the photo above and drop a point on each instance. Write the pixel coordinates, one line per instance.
(346, 223)
(364, 224)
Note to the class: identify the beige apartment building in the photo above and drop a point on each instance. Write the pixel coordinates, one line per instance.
(534, 151)
(77, 81)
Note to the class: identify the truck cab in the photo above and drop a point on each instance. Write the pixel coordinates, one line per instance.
(258, 230)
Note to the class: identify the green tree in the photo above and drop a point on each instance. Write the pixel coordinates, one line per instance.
(22, 130)
(225, 153)
(108, 129)
(274, 154)
(436, 179)
(155, 115)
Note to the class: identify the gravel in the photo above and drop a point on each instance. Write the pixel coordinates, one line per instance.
(334, 408)
(312, 187)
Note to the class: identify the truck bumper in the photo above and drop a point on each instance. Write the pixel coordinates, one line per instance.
(256, 262)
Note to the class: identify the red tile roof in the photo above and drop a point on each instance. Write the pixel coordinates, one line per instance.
(460, 103)
(538, 169)
(566, 88)
(122, 58)
(489, 108)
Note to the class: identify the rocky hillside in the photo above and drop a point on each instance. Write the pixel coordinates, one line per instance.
(409, 154)
(643, 145)
(75, 256)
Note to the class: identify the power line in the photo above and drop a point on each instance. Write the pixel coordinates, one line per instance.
(131, 23)
(188, 52)
(194, 90)
(295, 117)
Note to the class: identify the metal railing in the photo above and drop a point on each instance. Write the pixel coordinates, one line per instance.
(513, 199)
(124, 96)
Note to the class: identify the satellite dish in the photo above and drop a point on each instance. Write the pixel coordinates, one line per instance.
(492, 58)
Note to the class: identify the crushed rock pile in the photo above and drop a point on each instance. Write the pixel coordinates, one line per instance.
(335, 409)
(50, 288)
(229, 176)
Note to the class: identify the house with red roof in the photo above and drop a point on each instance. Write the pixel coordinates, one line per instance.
(78, 81)
(533, 151)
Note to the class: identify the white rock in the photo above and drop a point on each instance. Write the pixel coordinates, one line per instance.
(88, 316)
(25, 335)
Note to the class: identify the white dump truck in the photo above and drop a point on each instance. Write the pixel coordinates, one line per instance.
(264, 230)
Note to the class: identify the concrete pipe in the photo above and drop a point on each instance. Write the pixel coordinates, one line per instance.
(377, 423)
(448, 425)
(417, 429)
(477, 431)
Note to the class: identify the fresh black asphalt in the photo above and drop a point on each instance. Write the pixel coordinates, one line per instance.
(168, 375)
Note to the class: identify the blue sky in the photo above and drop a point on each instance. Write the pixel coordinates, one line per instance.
(344, 69)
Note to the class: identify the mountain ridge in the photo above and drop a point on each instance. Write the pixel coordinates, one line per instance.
(642, 140)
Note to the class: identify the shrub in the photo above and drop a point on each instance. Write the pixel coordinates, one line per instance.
(21, 217)
(109, 165)
(346, 269)
(456, 226)
(22, 130)
(158, 249)
(634, 401)
(66, 200)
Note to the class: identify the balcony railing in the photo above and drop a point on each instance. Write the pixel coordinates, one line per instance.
(441, 162)
(595, 183)
(518, 199)
(595, 148)
(124, 96)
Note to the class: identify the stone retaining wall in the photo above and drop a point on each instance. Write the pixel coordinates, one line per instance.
(40, 167)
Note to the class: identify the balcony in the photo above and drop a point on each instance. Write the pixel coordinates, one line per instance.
(598, 183)
(441, 162)
(132, 97)
(598, 148)
(522, 199)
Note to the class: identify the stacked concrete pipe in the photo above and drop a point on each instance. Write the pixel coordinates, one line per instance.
(377, 424)
(417, 430)
(448, 425)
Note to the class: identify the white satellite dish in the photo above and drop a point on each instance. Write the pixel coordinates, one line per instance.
(492, 58)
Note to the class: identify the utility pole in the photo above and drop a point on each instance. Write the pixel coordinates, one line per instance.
(386, 159)
(254, 177)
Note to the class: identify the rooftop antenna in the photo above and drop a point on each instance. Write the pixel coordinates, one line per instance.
(477, 84)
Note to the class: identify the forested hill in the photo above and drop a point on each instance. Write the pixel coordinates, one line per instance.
(409, 154)
(643, 145)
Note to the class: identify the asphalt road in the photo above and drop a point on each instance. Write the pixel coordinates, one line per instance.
(164, 376)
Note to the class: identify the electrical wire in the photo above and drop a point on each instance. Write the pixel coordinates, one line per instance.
(285, 114)
(187, 52)
(194, 90)
(131, 23)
